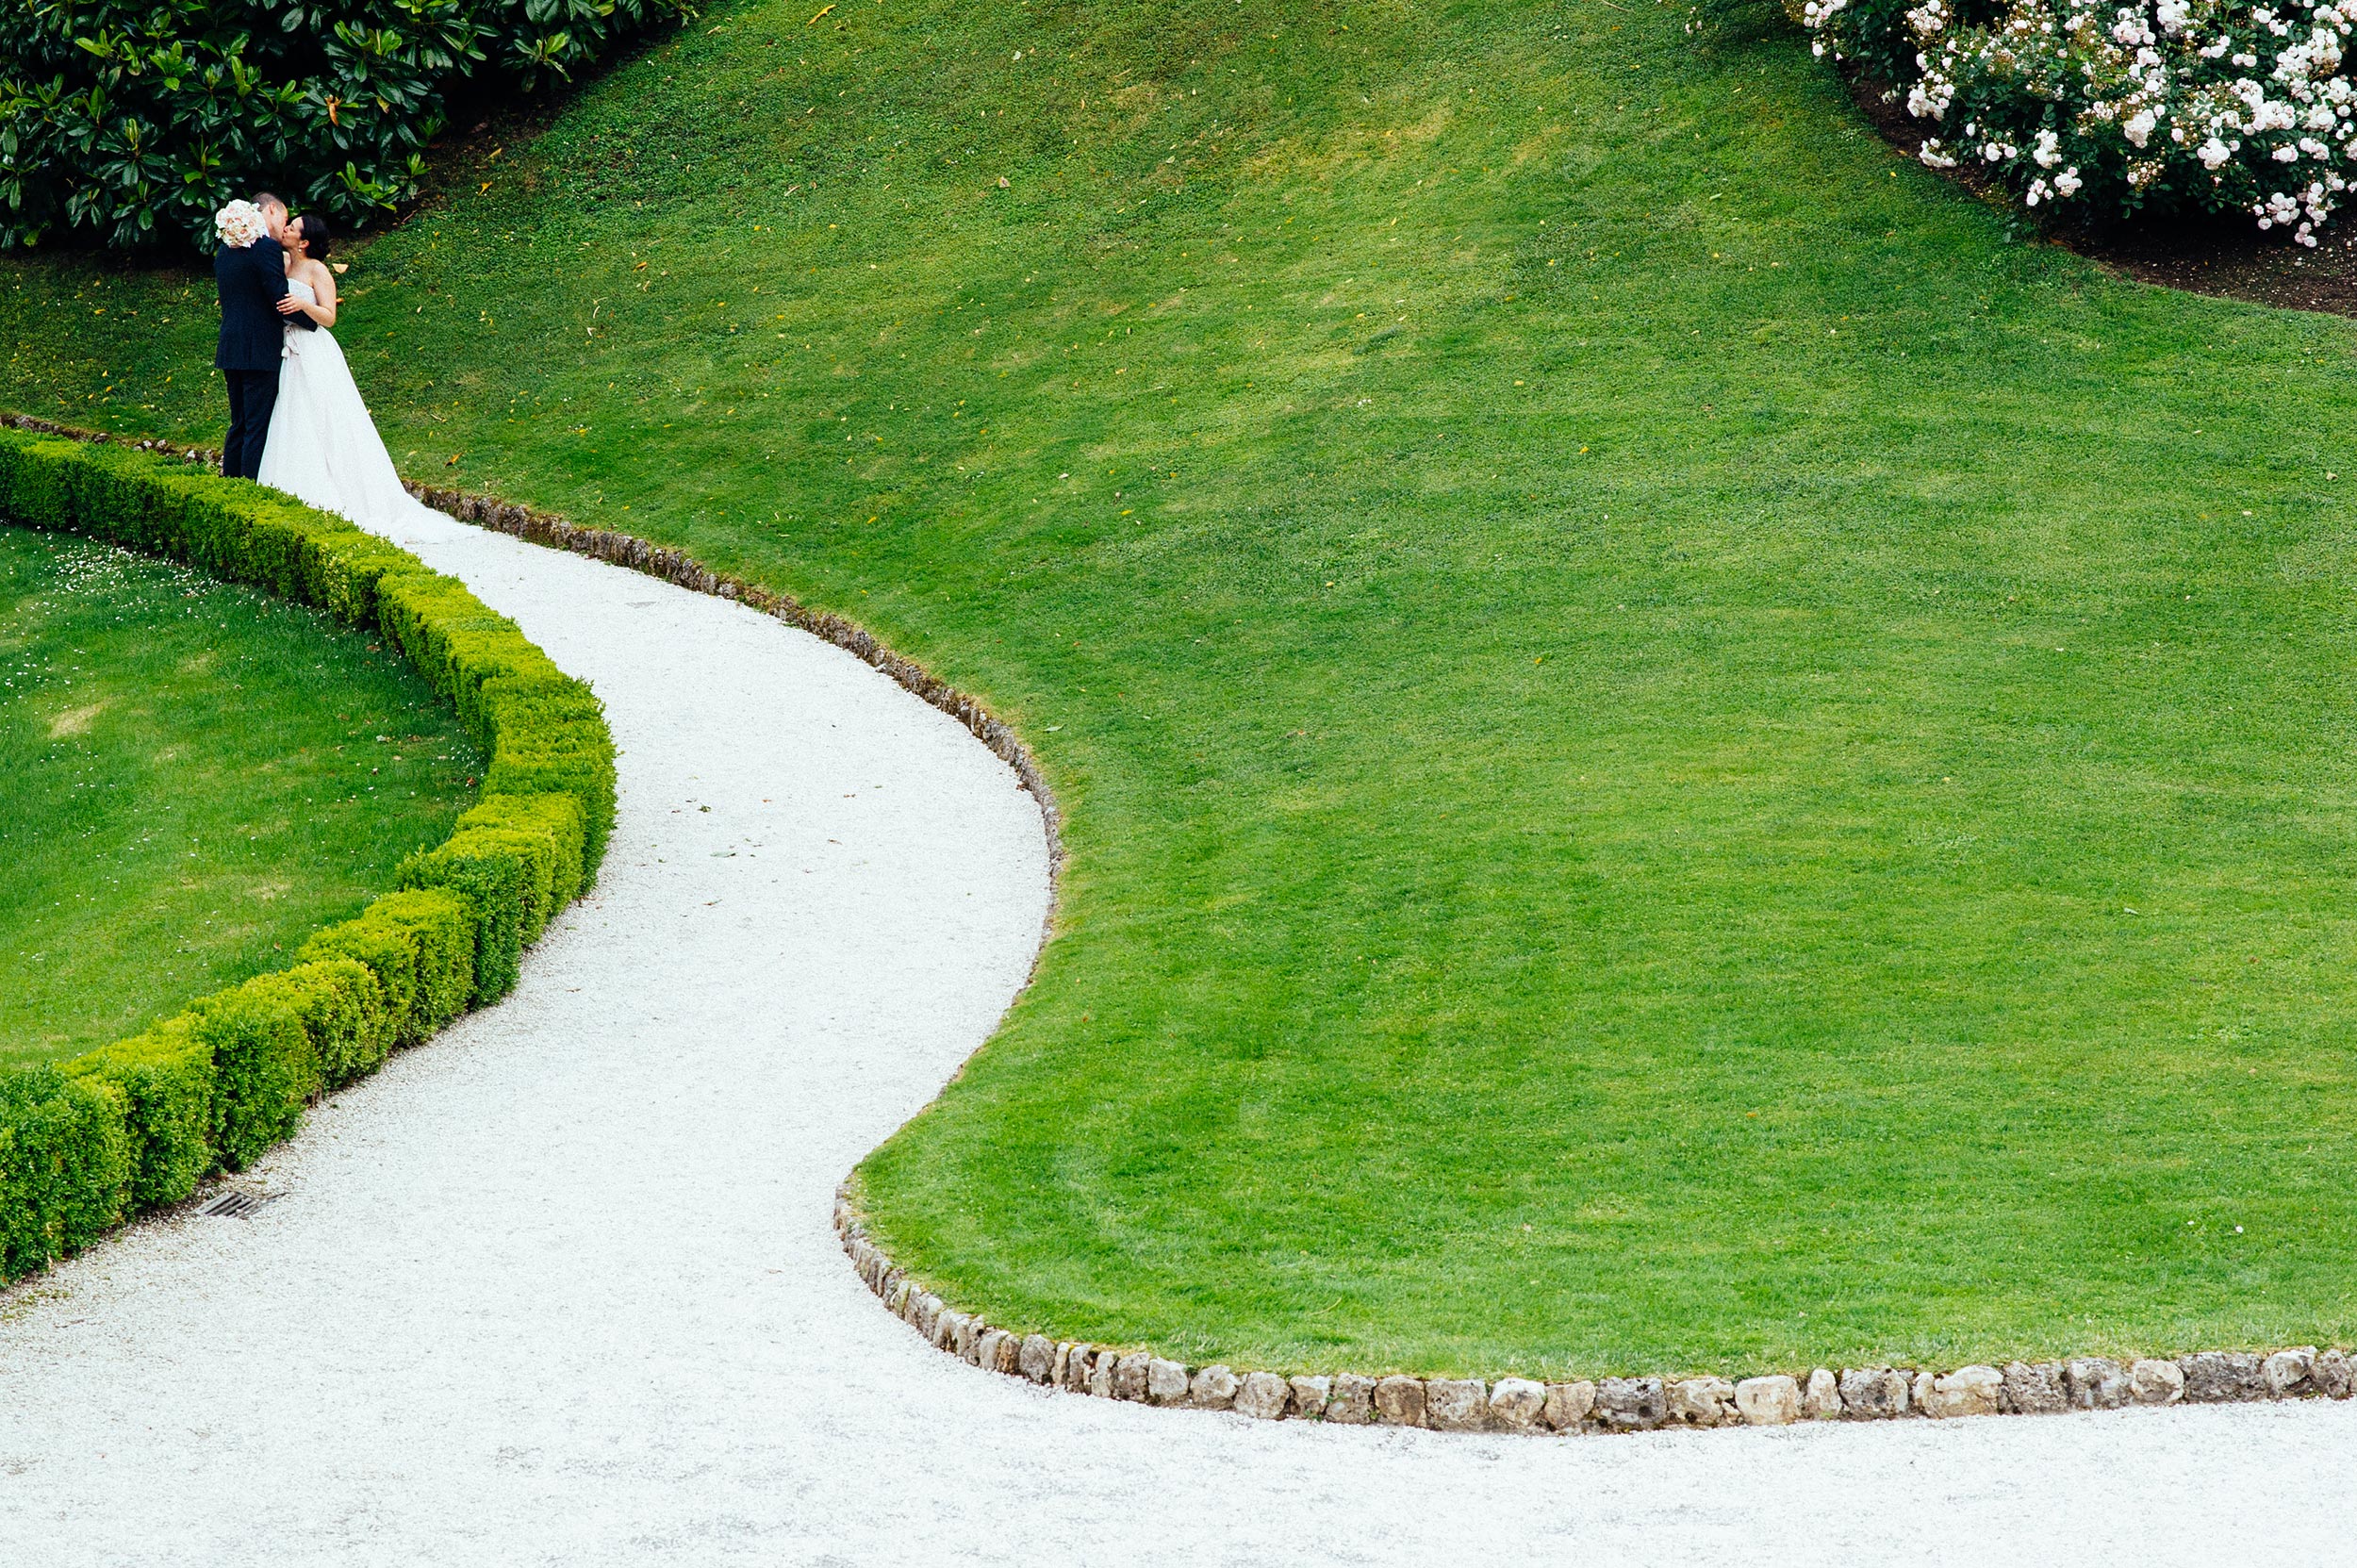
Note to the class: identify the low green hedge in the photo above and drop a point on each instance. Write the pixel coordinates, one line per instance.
(137, 1124)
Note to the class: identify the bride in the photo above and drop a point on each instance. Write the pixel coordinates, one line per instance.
(322, 448)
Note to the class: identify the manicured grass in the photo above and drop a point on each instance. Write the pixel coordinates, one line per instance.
(193, 778)
(1679, 755)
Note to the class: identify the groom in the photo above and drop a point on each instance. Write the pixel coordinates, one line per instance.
(254, 300)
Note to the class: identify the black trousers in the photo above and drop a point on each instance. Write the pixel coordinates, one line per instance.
(252, 396)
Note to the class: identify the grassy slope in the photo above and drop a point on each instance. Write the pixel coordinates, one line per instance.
(190, 783)
(1678, 756)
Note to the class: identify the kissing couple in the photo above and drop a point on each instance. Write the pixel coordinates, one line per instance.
(296, 421)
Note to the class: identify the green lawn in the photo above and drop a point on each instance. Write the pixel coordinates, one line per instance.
(193, 778)
(1679, 753)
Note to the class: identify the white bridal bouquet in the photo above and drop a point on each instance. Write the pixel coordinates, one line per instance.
(240, 224)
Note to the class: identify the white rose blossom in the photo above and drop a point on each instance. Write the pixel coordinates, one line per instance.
(2062, 101)
(240, 224)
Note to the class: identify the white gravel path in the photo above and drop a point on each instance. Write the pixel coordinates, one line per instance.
(560, 1287)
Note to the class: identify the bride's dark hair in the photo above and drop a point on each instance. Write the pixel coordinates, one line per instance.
(314, 229)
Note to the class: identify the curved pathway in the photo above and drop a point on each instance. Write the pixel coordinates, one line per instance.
(561, 1286)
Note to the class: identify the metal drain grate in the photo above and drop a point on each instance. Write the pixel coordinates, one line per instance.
(233, 1203)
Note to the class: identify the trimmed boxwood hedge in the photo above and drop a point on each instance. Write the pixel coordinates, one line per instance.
(137, 1124)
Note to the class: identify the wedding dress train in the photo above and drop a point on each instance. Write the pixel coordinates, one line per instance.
(323, 449)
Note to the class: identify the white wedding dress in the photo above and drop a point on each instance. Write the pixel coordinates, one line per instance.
(323, 449)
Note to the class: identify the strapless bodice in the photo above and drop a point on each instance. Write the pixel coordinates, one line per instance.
(302, 290)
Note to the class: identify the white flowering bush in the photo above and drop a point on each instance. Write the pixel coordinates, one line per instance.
(2210, 106)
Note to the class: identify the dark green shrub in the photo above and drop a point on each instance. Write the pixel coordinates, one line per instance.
(421, 948)
(546, 738)
(132, 124)
(33, 474)
(494, 878)
(555, 819)
(165, 1078)
(139, 1123)
(458, 644)
(522, 767)
(65, 1170)
(264, 1070)
(392, 952)
(342, 1012)
(535, 854)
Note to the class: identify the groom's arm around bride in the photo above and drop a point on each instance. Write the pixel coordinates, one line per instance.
(252, 279)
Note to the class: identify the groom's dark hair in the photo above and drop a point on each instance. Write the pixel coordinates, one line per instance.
(264, 198)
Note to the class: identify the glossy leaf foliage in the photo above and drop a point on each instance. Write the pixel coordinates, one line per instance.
(128, 124)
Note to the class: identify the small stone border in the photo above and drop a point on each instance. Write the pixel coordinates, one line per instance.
(1507, 1404)
(1603, 1405)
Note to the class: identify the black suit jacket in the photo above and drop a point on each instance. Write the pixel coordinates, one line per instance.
(251, 282)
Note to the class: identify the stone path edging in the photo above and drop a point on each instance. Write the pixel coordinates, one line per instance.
(1604, 1404)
